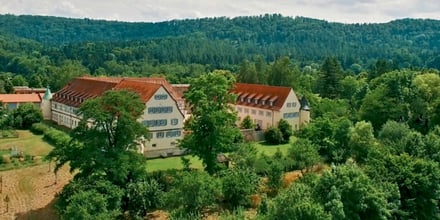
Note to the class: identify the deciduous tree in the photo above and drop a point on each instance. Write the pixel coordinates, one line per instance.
(101, 144)
(212, 125)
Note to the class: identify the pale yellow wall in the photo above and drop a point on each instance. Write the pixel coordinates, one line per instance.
(46, 109)
(293, 108)
(304, 117)
(165, 142)
(265, 119)
(272, 117)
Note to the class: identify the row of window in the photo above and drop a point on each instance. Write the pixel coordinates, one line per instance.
(64, 108)
(160, 110)
(160, 122)
(168, 134)
(254, 112)
(160, 96)
(291, 104)
(291, 115)
(256, 101)
(65, 120)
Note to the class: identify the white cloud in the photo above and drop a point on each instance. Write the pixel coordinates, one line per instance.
(350, 11)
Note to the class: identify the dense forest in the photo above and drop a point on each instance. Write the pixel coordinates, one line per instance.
(182, 48)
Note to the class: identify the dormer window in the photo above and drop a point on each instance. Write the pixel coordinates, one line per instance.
(249, 100)
(263, 102)
(256, 101)
(270, 103)
(241, 99)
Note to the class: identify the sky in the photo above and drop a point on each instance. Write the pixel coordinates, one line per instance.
(345, 11)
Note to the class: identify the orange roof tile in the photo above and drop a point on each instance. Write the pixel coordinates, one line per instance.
(145, 90)
(82, 88)
(277, 94)
(20, 98)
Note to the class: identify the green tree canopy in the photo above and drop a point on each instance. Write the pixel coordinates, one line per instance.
(102, 141)
(212, 124)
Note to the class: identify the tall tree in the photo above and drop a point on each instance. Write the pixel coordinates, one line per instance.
(247, 73)
(212, 124)
(102, 141)
(280, 73)
(331, 73)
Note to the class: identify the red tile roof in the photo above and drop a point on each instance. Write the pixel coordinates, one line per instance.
(82, 88)
(180, 88)
(276, 94)
(20, 98)
(145, 90)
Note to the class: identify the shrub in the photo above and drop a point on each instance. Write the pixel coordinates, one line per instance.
(39, 128)
(273, 136)
(193, 191)
(143, 196)
(238, 185)
(6, 159)
(247, 123)
(285, 129)
(90, 198)
(56, 137)
(237, 214)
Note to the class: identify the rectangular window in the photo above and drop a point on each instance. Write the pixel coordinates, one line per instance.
(291, 115)
(289, 105)
(294, 104)
(246, 110)
(260, 112)
(254, 112)
(170, 134)
(239, 109)
(174, 121)
(160, 96)
(155, 123)
(268, 114)
(160, 110)
(160, 134)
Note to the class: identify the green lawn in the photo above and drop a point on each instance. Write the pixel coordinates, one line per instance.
(27, 142)
(176, 163)
(172, 163)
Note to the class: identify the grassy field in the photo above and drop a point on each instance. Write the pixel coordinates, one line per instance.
(176, 162)
(27, 142)
(32, 146)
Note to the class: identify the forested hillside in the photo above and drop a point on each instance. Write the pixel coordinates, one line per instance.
(221, 42)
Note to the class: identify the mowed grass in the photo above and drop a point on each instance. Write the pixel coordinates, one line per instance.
(172, 163)
(196, 163)
(27, 142)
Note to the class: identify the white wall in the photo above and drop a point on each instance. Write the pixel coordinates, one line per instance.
(163, 136)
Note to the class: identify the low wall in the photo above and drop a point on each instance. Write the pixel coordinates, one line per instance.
(252, 135)
(168, 152)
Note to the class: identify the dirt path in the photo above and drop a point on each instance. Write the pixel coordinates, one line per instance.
(31, 192)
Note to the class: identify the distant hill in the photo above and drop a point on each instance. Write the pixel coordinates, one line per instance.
(227, 41)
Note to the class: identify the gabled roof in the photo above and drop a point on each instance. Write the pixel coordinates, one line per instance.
(145, 90)
(276, 94)
(83, 88)
(20, 98)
